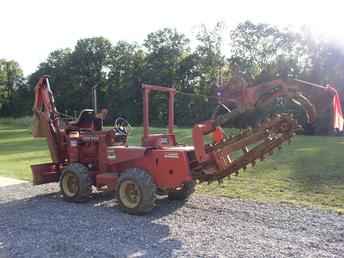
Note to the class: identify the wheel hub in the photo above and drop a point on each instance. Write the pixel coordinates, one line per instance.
(130, 194)
(70, 185)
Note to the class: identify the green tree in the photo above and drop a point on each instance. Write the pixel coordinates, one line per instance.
(73, 73)
(123, 90)
(166, 49)
(89, 68)
(264, 52)
(211, 59)
(261, 52)
(203, 70)
(58, 67)
(11, 78)
(325, 63)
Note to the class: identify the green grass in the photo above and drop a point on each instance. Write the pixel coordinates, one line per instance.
(19, 122)
(309, 172)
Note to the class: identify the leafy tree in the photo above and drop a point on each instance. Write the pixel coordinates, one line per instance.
(166, 49)
(88, 66)
(325, 63)
(204, 70)
(211, 58)
(58, 67)
(265, 52)
(123, 90)
(259, 52)
(74, 72)
(11, 78)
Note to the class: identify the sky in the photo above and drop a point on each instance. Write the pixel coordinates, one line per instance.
(31, 29)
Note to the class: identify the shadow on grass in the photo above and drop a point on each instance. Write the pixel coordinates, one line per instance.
(94, 229)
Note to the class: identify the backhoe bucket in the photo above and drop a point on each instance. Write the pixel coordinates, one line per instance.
(39, 125)
(45, 173)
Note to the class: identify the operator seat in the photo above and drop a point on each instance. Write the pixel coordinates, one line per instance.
(86, 119)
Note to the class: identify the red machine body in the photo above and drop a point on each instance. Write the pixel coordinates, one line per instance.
(84, 154)
(167, 162)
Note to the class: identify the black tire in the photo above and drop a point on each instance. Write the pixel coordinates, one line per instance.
(75, 183)
(141, 197)
(184, 193)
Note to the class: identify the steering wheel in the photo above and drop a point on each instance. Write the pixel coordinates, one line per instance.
(121, 126)
(217, 110)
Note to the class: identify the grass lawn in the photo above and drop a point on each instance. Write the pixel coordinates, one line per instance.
(309, 172)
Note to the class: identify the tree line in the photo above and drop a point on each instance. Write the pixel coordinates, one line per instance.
(257, 52)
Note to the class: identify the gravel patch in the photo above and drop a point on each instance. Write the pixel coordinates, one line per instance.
(36, 222)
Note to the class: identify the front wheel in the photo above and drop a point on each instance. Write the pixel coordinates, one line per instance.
(75, 183)
(182, 193)
(136, 191)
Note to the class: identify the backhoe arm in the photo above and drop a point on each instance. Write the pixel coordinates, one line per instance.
(46, 120)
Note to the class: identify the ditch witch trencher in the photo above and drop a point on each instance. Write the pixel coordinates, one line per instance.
(85, 155)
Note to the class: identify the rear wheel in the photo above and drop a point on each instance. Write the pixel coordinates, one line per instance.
(75, 183)
(136, 191)
(182, 193)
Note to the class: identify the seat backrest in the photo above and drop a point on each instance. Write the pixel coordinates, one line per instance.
(85, 119)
